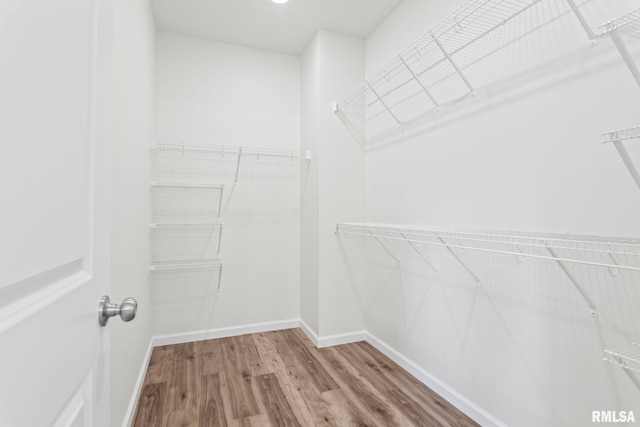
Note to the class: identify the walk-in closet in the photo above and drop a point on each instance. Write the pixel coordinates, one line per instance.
(320, 213)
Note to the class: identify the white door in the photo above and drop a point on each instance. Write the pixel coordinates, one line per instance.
(55, 130)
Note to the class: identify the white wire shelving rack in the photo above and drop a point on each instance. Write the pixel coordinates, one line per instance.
(621, 30)
(189, 265)
(615, 254)
(182, 162)
(193, 198)
(452, 60)
(628, 358)
(174, 243)
(617, 138)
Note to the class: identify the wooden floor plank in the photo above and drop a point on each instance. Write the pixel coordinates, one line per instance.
(275, 402)
(151, 405)
(281, 379)
(318, 374)
(357, 390)
(211, 408)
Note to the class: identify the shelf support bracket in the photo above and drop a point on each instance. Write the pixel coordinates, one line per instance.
(477, 279)
(384, 104)
(219, 277)
(633, 377)
(383, 246)
(453, 63)
(583, 22)
(424, 88)
(235, 181)
(593, 310)
(626, 56)
(220, 202)
(626, 159)
(415, 248)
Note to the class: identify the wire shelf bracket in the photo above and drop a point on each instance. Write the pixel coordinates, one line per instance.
(618, 137)
(593, 310)
(583, 22)
(628, 25)
(419, 252)
(462, 263)
(628, 358)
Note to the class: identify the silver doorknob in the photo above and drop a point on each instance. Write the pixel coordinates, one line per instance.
(106, 309)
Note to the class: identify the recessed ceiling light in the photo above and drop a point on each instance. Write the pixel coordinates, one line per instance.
(279, 1)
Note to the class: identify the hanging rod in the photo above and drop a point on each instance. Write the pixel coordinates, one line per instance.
(515, 242)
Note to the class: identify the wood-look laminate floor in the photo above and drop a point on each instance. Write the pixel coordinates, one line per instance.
(281, 379)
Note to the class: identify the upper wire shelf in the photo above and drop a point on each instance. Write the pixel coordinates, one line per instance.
(627, 357)
(204, 166)
(457, 57)
(610, 252)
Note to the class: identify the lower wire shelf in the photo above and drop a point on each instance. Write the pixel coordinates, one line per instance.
(627, 357)
(186, 264)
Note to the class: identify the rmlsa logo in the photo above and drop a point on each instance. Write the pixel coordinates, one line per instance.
(612, 417)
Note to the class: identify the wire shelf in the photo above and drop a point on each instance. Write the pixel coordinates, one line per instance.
(628, 24)
(609, 252)
(621, 135)
(184, 202)
(480, 43)
(202, 165)
(188, 241)
(186, 265)
(627, 357)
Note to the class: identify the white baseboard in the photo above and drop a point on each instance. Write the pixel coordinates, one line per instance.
(469, 408)
(331, 340)
(456, 399)
(137, 389)
(224, 332)
(310, 332)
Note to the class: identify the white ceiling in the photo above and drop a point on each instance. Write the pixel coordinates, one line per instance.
(262, 24)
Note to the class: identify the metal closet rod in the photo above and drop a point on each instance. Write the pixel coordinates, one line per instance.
(233, 150)
(369, 230)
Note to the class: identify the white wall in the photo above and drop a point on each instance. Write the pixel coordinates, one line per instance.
(133, 134)
(332, 65)
(309, 202)
(220, 94)
(522, 346)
